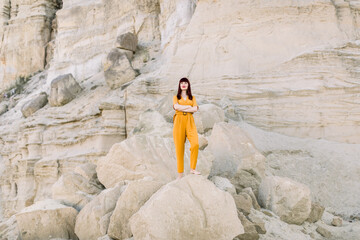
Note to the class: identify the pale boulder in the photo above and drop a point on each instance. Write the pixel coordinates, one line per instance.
(127, 41)
(208, 116)
(130, 201)
(289, 199)
(47, 219)
(236, 156)
(64, 89)
(189, 208)
(74, 190)
(34, 104)
(141, 155)
(118, 69)
(93, 220)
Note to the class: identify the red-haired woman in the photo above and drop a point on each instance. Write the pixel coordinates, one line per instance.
(184, 104)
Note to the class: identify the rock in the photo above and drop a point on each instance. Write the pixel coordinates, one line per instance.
(258, 223)
(140, 156)
(236, 157)
(74, 190)
(118, 69)
(47, 218)
(287, 198)
(152, 122)
(93, 220)
(316, 213)
(64, 89)
(323, 232)
(209, 115)
(189, 208)
(9, 229)
(223, 184)
(249, 228)
(34, 104)
(3, 107)
(243, 202)
(127, 41)
(134, 196)
(105, 237)
(337, 221)
(250, 192)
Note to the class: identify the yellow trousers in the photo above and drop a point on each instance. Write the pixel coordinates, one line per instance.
(184, 127)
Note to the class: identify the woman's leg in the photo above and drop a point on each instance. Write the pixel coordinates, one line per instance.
(179, 140)
(192, 135)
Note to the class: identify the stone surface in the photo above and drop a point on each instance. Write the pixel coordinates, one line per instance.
(74, 190)
(249, 228)
(223, 184)
(142, 155)
(189, 208)
(208, 116)
(34, 104)
(127, 41)
(236, 157)
(47, 219)
(316, 212)
(288, 199)
(64, 88)
(243, 202)
(130, 201)
(93, 220)
(337, 221)
(118, 69)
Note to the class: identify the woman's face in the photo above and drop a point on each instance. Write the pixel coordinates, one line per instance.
(184, 85)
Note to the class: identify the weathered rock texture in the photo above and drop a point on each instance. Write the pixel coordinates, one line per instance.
(284, 72)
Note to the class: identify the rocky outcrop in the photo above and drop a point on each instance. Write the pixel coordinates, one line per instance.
(93, 220)
(47, 219)
(34, 104)
(140, 156)
(63, 89)
(189, 208)
(288, 199)
(236, 156)
(131, 200)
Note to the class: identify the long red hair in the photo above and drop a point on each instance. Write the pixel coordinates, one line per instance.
(188, 91)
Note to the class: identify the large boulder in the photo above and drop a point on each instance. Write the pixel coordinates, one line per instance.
(118, 69)
(47, 219)
(140, 156)
(34, 104)
(130, 201)
(189, 208)
(93, 220)
(236, 157)
(127, 41)
(289, 199)
(64, 88)
(208, 116)
(75, 190)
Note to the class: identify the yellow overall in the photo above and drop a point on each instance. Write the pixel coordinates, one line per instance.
(184, 126)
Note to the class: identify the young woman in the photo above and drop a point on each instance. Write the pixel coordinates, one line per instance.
(184, 104)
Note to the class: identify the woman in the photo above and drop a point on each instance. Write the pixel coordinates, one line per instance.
(184, 104)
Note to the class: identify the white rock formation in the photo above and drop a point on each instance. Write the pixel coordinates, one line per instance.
(140, 156)
(45, 220)
(289, 199)
(189, 208)
(236, 156)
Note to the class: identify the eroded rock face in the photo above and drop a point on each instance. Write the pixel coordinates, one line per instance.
(189, 208)
(127, 41)
(34, 104)
(130, 201)
(64, 88)
(93, 220)
(47, 219)
(118, 69)
(236, 156)
(290, 200)
(140, 156)
(26, 24)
